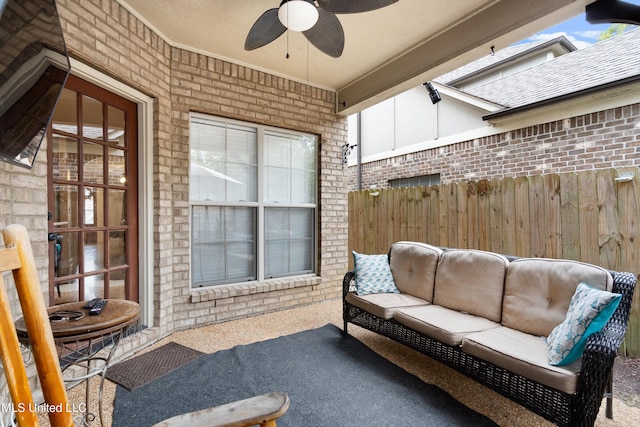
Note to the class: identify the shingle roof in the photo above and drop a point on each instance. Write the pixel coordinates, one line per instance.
(608, 61)
(501, 56)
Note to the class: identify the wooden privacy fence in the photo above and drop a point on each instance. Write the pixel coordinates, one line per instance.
(588, 216)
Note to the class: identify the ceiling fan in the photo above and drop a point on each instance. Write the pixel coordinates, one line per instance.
(315, 19)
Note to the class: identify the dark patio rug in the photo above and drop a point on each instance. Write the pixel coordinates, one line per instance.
(331, 379)
(143, 369)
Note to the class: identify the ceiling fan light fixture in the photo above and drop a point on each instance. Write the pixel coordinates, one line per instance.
(298, 15)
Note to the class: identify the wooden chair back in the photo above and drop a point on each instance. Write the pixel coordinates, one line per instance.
(17, 256)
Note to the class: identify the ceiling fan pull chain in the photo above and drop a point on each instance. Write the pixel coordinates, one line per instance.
(287, 45)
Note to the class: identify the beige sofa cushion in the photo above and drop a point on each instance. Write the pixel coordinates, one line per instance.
(538, 291)
(522, 354)
(413, 266)
(471, 281)
(445, 325)
(383, 305)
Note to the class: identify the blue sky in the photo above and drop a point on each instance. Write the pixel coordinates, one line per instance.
(577, 30)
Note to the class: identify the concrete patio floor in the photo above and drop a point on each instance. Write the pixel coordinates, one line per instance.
(245, 331)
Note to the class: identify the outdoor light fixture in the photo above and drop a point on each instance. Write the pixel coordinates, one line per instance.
(298, 15)
(433, 93)
(346, 150)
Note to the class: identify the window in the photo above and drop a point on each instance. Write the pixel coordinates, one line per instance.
(253, 202)
(415, 181)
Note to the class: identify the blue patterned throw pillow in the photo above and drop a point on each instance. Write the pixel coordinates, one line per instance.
(590, 309)
(373, 274)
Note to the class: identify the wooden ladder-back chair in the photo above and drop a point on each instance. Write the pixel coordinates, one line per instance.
(17, 257)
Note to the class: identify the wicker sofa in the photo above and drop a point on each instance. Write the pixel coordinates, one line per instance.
(487, 315)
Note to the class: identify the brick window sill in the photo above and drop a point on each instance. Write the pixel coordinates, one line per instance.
(241, 289)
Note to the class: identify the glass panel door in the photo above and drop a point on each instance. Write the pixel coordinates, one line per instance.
(92, 195)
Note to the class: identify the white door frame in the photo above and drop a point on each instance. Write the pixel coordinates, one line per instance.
(145, 178)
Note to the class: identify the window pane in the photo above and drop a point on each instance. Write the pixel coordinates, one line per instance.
(223, 244)
(93, 163)
(93, 206)
(204, 184)
(207, 264)
(415, 181)
(304, 148)
(117, 208)
(277, 167)
(94, 286)
(302, 261)
(69, 291)
(289, 168)
(276, 258)
(93, 251)
(65, 213)
(117, 284)
(301, 223)
(65, 115)
(303, 186)
(277, 185)
(65, 159)
(304, 171)
(115, 127)
(241, 183)
(241, 144)
(117, 167)
(278, 152)
(117, 248)
(67, 254)
(288, 241)
(92, 118)
(223, 162)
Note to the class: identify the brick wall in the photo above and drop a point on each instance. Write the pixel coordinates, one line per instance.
(600, 140)
(23, 200)
(211, 86)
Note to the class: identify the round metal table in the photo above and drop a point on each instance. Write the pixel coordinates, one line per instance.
(81, 340)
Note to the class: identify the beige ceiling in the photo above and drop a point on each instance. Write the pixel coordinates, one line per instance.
(386, 51)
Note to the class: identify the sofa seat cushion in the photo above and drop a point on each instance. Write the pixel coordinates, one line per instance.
(443, 324)
(522, 354)
(413, 266)
(537, 291)
(383, 305)
(471, 281)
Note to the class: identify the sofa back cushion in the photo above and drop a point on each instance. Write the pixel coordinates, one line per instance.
(538, 291)
(471, 281)
(413, 266)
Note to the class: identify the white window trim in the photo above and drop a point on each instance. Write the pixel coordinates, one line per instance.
(260, 279)
(145, 178)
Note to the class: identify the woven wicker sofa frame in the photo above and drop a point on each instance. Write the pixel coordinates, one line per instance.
(579, 409)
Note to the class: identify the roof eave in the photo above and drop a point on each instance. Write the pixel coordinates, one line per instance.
(519, 109)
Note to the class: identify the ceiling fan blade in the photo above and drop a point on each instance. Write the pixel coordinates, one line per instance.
(353, 6)
(327, 35)
(265, 30)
